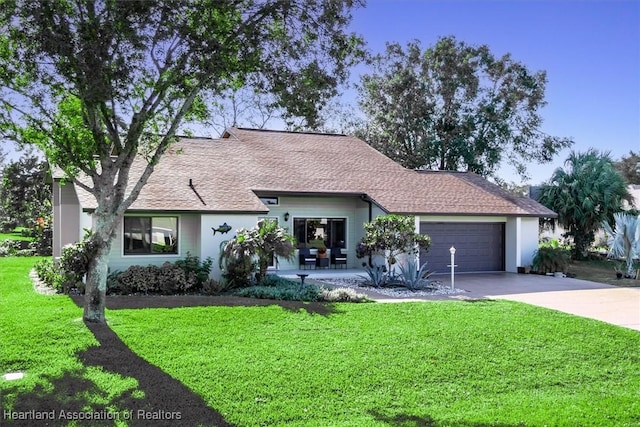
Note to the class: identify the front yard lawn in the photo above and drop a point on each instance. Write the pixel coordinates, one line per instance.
(601, 271)
(488, 363)
(15, 235)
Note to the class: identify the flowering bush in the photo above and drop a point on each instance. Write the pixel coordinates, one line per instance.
(13, 248)
(342, 295)
(390, 236)
(74, 262)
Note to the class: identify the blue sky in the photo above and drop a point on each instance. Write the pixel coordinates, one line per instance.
(589, 49)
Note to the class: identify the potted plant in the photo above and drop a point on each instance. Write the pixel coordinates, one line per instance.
(524, 270)
(322, 252)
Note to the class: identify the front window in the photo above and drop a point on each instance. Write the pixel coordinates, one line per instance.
(144, 235)
(318, 232)
(270, 201)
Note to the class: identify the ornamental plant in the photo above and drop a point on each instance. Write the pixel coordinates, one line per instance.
(263, 241)
(74, 262)
(624, 239)
(390, 236)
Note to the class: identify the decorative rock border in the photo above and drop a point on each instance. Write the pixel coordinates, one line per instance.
(436, 287)
(39, 286)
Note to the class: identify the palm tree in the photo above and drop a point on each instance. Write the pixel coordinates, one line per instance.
(624, 240)
(263, 241)
(585, 193)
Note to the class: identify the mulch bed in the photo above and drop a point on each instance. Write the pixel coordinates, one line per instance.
(121, 302)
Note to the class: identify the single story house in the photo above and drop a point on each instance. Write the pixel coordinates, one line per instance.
(322, 187)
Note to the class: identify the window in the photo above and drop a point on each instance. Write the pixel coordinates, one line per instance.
(317, 232)
(270, 201)
(145, 235)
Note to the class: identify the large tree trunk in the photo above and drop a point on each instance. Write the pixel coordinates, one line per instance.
(96, 286)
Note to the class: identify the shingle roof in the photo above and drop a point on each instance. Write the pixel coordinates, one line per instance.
(229, 172)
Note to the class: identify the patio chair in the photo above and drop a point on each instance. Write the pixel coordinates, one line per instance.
(338, 258)
(306, 258)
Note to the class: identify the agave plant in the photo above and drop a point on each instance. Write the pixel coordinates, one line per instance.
(414, 278)
(624, 238)
(377, 275)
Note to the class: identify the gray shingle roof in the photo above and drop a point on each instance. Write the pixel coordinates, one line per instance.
(229, 172)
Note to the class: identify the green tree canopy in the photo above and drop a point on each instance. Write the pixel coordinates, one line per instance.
(96, 83)
(629, 167)
(24, 192)
(455, 107)
(585, 193)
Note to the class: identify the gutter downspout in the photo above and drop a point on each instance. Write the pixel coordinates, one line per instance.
(367, 199)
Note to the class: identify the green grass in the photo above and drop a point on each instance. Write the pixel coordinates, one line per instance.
(15, 235)
(413, 364)
(439, 363)
(40, 336)
(601, 271)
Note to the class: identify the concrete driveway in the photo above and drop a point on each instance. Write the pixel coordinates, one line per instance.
(611, 304)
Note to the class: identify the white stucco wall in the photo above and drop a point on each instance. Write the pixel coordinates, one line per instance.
(521, 242)
(210, 244)
(530, 239)
(355, 210)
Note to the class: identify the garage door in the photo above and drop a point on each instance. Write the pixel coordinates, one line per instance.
(479, 246)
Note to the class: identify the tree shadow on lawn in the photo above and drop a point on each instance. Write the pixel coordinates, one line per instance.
(406, 420)
(121, 302)
(161, 391)
(158, 399)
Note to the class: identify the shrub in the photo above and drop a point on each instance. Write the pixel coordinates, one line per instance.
(551, 257)
(50, 274)
(284, 292)
(213, 287)
(238, 272)
(74, 261)
(186, 275)
(113, 285)
(28, 232)
(193, 266)
(342, 295)
(25, 252)
(13, 247)
(43, 242)
(274, 280)
(172, 278)
(138, 279)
